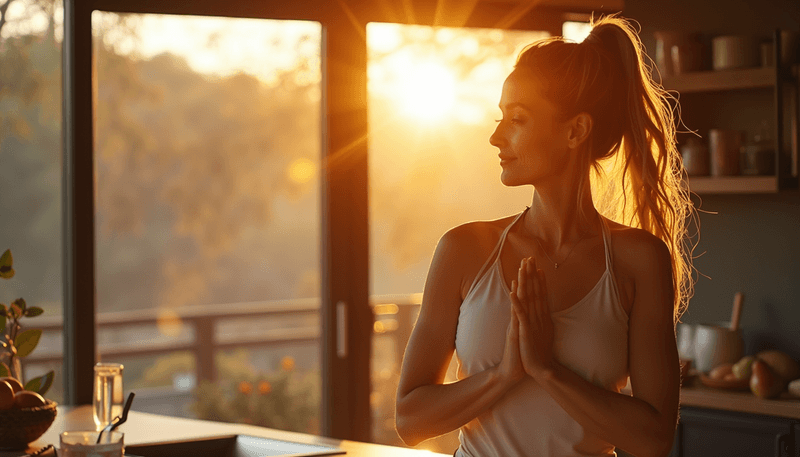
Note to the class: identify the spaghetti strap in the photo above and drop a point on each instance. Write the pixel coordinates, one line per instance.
(607, 243)
(498, 248)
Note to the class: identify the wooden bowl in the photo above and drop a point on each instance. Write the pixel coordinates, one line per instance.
(18, 427)
(736, 384)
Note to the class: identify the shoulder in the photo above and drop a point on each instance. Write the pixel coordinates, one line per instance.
(636, 249)
(645, 263)
(463, 249)
(468, 237)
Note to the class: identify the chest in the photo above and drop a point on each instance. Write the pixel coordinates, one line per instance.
(589, 338)
(575, 277)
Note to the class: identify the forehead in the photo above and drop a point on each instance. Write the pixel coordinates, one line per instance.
(522, 87)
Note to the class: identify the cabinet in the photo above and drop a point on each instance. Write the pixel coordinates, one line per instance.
(708, 432)
(763, 92)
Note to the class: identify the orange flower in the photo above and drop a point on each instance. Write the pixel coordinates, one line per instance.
(287, 363)
(264, 387)
(245, 387)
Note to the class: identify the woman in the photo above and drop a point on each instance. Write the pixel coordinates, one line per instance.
(551, 311)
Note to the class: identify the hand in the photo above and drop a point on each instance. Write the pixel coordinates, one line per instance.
(529, 302)
(510, 368)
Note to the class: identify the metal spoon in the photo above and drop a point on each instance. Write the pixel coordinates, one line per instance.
(119, 420)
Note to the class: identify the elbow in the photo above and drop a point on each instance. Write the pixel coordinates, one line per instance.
(657, 444)
(661, 445)
(406, 431)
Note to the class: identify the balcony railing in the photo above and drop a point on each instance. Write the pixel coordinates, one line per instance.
(196, 329)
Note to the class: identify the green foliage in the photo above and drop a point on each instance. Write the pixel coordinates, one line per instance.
(18, 344)
(6, 265)
(41, 384)
(26, 342)
(285, 399)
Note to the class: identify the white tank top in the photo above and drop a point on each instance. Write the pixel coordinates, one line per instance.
(590, 338)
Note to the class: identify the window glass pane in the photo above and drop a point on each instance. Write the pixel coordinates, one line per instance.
(30, 176)
(433, 95)
(207, 211)
(576, 31)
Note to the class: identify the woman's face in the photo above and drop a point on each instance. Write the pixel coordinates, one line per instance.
(533, 142)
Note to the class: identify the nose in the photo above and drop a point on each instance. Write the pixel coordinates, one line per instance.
(496, 139)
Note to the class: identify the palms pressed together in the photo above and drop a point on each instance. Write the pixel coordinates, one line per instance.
(531, 317)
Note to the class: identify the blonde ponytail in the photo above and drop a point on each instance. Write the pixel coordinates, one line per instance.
(637, 174)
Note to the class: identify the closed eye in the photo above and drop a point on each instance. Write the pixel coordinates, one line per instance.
(514, 120)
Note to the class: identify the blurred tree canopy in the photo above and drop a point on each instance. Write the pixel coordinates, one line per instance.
(187, 169)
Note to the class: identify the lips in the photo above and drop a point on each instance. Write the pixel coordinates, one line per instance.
(505, 158)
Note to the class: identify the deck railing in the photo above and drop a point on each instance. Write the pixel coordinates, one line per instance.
(196, 329)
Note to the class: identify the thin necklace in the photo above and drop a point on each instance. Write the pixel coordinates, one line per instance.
(555, 264)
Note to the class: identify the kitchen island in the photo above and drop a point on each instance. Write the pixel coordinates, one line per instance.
(145, 428)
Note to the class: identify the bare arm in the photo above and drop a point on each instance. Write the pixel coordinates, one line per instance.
(645, 423)
(425, 407)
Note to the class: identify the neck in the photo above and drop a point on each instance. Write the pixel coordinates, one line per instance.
(560, 217)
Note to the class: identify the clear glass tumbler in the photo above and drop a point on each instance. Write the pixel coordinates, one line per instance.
(107, 398)
(84, 444)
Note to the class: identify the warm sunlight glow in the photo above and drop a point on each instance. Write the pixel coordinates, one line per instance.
(576, 31)
(168, 322)
(302, 170)
(428, 91)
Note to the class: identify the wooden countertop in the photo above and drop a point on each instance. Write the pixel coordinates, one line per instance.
(694, 393)
(143, 428)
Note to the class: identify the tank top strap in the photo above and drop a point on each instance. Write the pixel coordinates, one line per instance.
(607, 243)
(498, 248)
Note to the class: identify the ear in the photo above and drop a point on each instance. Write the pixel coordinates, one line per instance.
(579, 129)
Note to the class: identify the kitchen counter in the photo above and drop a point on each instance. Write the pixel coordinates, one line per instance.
(694, 393)
(144, 428)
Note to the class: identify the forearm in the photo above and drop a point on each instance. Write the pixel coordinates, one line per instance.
(434, 410)
(624, 421)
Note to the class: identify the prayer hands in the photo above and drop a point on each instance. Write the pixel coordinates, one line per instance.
(511, 369)
(531, 312)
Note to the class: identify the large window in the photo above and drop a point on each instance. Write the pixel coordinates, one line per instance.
(433, 96)
(207, 147)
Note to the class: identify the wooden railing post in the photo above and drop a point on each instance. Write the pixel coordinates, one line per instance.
(204, 345)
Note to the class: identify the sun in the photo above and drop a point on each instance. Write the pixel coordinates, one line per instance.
(427, 92)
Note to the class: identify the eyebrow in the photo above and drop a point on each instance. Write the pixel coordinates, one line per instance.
(516, 105)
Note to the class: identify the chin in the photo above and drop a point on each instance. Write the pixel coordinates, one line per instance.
(510, 179)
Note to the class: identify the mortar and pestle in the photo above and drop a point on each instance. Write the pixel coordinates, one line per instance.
(718, 344)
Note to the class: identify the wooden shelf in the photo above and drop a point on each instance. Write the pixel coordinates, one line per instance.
(710, 81)
(733, 184)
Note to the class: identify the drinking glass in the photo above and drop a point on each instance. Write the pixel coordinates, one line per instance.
(83, 444)
(107, 398)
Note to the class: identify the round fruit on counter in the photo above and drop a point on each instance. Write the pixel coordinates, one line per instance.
(28, 399)
(794, 388)
(6, 395)
(781, 363)
(764, 382)
(14, 383)
(720, 371)
(743, 369)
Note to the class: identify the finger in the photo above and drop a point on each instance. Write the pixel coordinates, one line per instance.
(543, 288)
(531, 279)
(516, 305)
(536, 312)
(513, 327)
(541, 295)
(521, 282)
